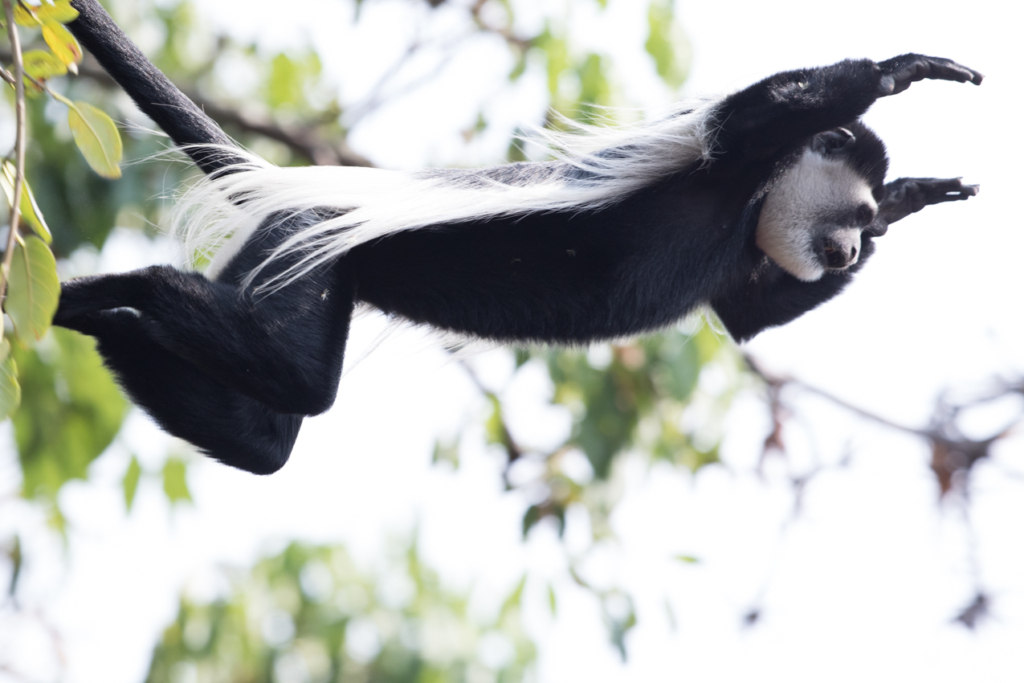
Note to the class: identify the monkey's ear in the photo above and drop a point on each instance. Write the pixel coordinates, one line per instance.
(832, 141)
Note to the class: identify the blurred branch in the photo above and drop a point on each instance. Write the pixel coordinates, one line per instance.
(502, 31)
(953, 454)
(953, 458)
(507, 442)
(376, 97)
(776, 383)
(302, 140)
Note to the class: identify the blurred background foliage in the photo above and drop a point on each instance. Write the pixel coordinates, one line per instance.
(308, 609)
(308, 614)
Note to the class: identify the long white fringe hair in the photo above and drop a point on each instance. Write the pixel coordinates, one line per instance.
(220, 212)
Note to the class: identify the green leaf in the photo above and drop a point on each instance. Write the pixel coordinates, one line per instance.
(495, 424)
(687, 559)
(41, 65)
(288, 78)
(667, 44)
(71, 410)
(446, 451)
(530, 519)
(520, 67)
(10, 390)
(594, 86)
(16, 557)
(557, 52)
(514, 600)
(33, 288)
(63, 44)
(175, 483)
(97, 138)
(59, 11)
(619, 625)
(30, 212)
(130, 483)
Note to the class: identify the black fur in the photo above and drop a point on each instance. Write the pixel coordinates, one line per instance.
(234, 374)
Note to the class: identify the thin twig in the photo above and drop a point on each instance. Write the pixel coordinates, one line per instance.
(777, 381)
(19, 146)
(512, 448)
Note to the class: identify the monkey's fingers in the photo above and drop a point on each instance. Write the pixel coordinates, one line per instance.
(899, 72)
(909, 195)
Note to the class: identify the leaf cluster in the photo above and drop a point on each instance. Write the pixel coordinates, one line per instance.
(312, 609)
(71, 409)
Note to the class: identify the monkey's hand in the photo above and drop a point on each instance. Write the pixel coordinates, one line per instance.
(899, 72)
(909, 195)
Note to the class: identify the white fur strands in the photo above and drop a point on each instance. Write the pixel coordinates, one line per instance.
(594, 167)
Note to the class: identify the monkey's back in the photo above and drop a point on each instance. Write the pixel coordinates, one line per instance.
(638, 265)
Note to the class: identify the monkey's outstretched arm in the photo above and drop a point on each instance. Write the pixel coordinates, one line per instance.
(788, 108)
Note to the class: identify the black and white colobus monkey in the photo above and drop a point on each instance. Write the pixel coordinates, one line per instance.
(761, 204)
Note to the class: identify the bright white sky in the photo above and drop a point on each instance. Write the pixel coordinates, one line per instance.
(864, 585)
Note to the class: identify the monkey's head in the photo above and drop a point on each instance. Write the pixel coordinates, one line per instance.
(815, 214)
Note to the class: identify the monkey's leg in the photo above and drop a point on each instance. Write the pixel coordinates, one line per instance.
(284, 350)
(188, 403)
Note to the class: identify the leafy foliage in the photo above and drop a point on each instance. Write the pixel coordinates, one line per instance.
(71, 410)
(309, 613)
(667, 44)
(28, 281)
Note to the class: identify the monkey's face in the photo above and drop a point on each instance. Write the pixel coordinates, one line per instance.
(812, 219)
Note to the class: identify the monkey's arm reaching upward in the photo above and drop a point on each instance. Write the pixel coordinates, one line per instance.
(788, 107)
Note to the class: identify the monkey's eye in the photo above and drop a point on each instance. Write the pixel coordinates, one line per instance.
(865, 215)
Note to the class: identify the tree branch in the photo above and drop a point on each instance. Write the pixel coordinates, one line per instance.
(301, 140)
(19, 145)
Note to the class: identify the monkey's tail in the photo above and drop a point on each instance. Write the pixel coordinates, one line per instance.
(196, 133)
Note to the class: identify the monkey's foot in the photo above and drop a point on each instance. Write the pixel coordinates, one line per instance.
(84, 296)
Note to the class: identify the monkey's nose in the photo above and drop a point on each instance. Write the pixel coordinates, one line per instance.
(838, 255)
